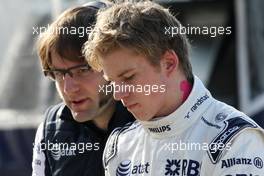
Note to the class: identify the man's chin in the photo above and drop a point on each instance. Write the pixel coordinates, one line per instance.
(142, 116)
(82, 116)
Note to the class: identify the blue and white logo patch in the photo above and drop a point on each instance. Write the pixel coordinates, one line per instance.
(220, 117)
(124, 168)
(232, 127)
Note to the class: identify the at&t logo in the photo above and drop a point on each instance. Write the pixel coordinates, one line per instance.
(125, 168)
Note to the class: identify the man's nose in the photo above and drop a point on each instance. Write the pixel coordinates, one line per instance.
(70, 85)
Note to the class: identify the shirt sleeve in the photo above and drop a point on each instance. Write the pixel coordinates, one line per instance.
(38, 162)
(244, 157)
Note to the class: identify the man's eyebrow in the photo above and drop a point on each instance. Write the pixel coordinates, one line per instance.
(124, 72)
(120, 75)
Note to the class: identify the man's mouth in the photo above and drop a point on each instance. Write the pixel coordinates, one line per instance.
(131, 106)
(78, 103)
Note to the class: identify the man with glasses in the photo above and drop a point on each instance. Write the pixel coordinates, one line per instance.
(71, 140)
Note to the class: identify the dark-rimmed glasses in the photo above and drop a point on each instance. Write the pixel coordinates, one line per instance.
(77, 72)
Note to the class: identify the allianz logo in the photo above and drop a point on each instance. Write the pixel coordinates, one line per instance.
(257, 162)
(160, 129)
(58, 153)
(125, 168)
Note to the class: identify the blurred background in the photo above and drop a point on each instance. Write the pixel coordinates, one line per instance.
(231, 64)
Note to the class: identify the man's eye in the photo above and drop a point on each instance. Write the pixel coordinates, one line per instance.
(129, 78)
(58, 73)
(83, 70)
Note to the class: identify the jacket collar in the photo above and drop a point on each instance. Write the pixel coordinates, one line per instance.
(184, 116)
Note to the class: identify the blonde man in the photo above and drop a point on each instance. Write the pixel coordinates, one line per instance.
(180, 129)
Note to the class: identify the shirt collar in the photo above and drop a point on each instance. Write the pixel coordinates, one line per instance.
(184, 116)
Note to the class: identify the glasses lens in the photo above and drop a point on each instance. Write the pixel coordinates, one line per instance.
(80, 71)
(77, 72)
(58, 75)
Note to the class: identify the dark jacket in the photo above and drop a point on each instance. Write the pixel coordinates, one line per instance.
(81, 145)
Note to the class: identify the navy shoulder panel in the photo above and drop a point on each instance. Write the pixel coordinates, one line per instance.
(111, 145)
(51, 115)
(232, 127)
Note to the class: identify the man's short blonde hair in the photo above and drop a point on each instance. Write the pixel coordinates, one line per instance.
(138, 26)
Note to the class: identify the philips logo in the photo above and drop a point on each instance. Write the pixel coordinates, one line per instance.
(125, 168)
(160, 129)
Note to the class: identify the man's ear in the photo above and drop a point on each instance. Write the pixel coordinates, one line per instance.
(169, 62)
